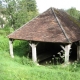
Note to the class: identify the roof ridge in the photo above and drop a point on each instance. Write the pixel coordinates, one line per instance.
(65, 34)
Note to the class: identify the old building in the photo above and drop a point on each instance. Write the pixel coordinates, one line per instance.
(49, 33)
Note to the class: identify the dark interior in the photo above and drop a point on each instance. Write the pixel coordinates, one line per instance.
(73, 52)
(53, 53)
(48, 51)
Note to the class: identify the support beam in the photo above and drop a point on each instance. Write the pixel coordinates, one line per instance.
(11, 47)
(78, 51)
(62, 47)
(67, 50)
(34, 53)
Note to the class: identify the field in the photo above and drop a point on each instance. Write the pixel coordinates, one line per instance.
(22, 68)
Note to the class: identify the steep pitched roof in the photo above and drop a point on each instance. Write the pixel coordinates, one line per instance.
(53, 25)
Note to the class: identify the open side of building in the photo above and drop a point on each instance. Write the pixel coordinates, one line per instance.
(50, 33)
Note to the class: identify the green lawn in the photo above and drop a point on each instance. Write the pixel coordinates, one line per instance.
(21, 68)
(14, 69)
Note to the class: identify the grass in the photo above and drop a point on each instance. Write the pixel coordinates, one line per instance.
(22, 68)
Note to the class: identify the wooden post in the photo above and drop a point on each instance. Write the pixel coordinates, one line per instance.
(78, 51)
(34, 53)
(67, 50)
(11, 47)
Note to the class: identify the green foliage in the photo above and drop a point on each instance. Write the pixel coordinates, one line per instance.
(1, 22)
(19, 12)
(3, 43)
(74, 13)
(21, 48)
(6, 31)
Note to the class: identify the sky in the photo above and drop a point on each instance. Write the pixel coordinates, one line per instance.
(43, 5)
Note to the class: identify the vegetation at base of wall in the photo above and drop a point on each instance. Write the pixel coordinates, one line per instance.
(22, 68)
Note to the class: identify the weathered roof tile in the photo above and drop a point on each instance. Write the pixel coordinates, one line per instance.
(46, 28)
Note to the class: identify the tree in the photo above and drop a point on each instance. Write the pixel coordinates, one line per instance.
(74, 13)
(2, 22)
(20, 11)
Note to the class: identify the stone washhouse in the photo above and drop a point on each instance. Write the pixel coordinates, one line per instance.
(50, 33)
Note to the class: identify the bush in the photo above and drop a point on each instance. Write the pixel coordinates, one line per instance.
(21, 48)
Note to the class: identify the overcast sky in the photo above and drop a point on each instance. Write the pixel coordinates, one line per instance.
(60, 4)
